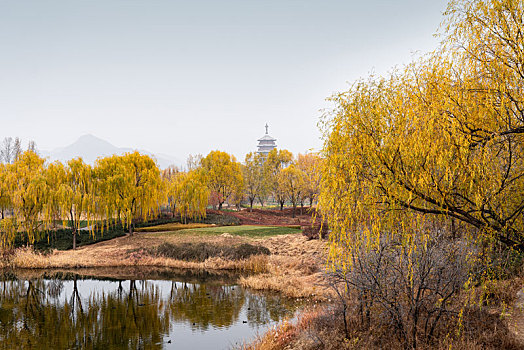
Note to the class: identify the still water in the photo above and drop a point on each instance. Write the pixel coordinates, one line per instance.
(132, 310)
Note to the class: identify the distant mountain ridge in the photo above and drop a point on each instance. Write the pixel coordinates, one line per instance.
(90, 147)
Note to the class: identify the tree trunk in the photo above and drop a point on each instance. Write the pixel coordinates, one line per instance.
(251, 200)
(74, 238)
(281, 205)
(220, 205)
(131, 227)
(294, 209)
(73, 226)
(2, 214)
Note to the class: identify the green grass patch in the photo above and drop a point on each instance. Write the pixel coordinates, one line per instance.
(243, 231)
(63, 239)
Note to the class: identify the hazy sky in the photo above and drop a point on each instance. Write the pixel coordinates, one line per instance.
(191, 76)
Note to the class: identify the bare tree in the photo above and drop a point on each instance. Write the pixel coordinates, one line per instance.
(194, 161)
(32, 146)
(6, 153)
(17, 149)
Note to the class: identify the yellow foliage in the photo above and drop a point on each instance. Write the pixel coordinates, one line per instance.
(442, 137)
(29, 192)
(223, 174)
(129, 186)
(191, 194)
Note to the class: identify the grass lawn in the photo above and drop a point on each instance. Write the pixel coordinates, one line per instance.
(243, 231)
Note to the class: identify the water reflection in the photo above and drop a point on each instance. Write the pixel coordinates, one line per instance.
(79, 312)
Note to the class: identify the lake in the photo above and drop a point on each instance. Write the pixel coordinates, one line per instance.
(129, 308)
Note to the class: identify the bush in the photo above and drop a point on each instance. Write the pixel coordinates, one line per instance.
(316, 231)
(408, 292)
(62, 239)
(202, 251)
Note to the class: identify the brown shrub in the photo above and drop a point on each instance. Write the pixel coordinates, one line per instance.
(316, 230)
(202, 251)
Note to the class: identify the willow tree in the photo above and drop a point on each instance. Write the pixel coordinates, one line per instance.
(7, 230)
(223, 174)
(5, 197)
(77, 195)
(275, 161)
(129, 186)
(55, 177)
(253, 176)
(291, 182)
(191, 194)
(309, 164)
(443, 138)
(29, 191)
(170, 179)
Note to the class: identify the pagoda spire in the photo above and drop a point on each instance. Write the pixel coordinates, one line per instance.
(267, 126)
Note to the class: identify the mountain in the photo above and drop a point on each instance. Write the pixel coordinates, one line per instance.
(90, 147)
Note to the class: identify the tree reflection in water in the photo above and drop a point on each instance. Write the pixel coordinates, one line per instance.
(71, 314)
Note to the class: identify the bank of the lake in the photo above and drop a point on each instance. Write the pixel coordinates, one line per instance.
(288, 262)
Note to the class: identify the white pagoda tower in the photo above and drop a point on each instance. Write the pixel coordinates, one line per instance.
(266, 143)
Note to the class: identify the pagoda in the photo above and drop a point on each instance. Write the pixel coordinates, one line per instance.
(266, 143)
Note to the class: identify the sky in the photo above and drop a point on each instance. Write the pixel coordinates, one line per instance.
(188, 77)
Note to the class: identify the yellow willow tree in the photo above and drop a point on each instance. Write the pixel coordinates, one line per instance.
(55, 177)
(29, 192)
(7, 227)
(309, 164)
(291, 181)
(223, 174)
(191, 194)
(253, 176)
(275, 161)
(76, 195)
(128, 186)
(440, 139)
(5, 198)
(170, 179)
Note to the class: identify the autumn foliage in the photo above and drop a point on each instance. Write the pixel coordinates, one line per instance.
(435, 144)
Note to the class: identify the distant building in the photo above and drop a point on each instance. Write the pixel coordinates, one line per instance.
(266, 143)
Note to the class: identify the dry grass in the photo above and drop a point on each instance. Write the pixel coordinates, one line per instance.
(294, 268)
(28, 259)
(294, 277)
(321, 328)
